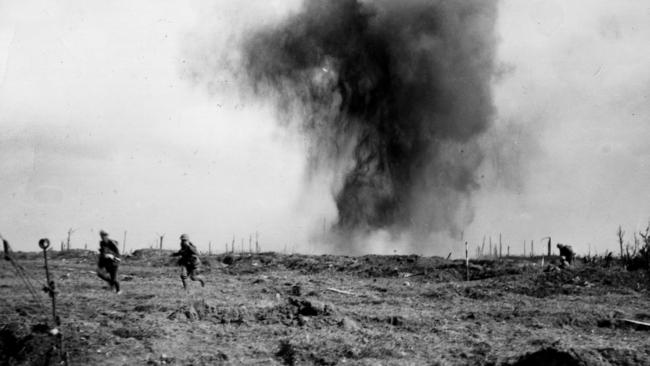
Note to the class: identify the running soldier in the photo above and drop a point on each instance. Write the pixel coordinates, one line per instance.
(189, 261)
(566, 252)
(109, 261)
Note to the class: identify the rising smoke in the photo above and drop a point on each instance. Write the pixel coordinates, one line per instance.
(392, 96)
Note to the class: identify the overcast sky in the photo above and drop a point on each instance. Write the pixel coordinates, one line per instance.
(100, 128)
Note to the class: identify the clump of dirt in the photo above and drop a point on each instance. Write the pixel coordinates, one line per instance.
(228, 260)
(299, 351)
(298, 311)
(202, 310)
(627, 357)
(286, 353)
(136, 332)
(291, 312)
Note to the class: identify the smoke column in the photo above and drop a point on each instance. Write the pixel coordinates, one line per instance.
(392, 97)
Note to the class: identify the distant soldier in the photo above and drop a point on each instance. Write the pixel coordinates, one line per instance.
(189, 261)
(566, 252)
(109, 261)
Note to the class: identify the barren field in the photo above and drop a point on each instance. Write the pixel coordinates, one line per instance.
(278, 309)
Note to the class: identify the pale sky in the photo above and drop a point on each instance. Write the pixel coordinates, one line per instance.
(100, 128)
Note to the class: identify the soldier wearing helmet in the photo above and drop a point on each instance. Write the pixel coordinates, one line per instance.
(189, 261)
(109, 261)
(566, 252)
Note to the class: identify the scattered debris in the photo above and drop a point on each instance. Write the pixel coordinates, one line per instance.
(340, 291)
(349, 324)
(637, 324)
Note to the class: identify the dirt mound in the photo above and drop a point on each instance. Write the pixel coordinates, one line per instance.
(291, 312)
(202, 310)
(555, 357)
(435, 269)
(298, 312)
(81, 255)
(551, 356)
(313, 351)
(583, 280)
(22, 345)
(153, 257)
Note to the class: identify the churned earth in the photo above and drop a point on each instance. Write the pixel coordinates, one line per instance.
(271, 308)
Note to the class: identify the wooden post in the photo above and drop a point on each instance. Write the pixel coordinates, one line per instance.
(524, 248)
(124, 243)
(508, 250)
(70, 232)
(491, 247)
(620, 234)
(250, 243)
(548, 251)
(532, 248)
(483, 246)
(210, 248)
(257, 242)
(500, 247)
(232, 247)
(466, 261)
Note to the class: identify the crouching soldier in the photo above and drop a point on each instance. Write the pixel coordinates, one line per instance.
(109, 261)
(189, 261)
(566, 252)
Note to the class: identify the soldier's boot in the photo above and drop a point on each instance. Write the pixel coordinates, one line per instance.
(116, 286)
(194, 277)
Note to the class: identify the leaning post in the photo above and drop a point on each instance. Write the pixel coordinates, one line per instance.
(50, 289)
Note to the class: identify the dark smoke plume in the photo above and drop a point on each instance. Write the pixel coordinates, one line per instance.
(392, 95)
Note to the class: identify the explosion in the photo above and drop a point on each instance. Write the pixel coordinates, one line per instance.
(390, 95)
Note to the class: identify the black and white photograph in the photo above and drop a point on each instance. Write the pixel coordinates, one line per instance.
(325, 182)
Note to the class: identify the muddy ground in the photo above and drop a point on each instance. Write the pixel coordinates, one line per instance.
(278, 309)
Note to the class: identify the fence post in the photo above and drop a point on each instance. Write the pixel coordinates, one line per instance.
(532, 248)
(500, 247)
(466, 261)
(524, 248)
